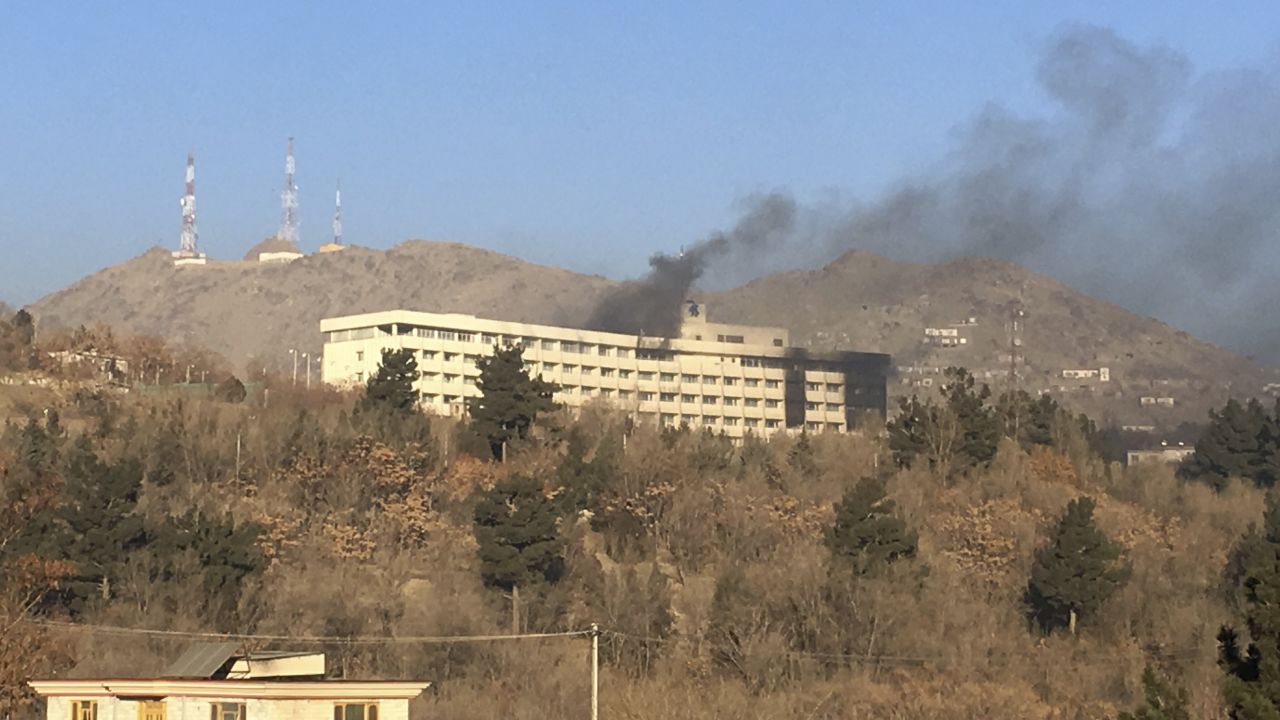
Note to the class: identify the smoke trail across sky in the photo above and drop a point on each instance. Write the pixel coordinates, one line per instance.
(1148, 185)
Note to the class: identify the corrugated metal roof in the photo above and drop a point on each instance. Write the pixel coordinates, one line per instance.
(202, 660)
(274, 654)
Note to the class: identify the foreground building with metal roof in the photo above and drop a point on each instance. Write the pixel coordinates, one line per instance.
(219, 682)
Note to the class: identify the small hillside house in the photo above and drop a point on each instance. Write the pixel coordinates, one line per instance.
(214, 681)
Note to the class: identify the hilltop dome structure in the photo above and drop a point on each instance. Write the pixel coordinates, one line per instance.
(274, 249)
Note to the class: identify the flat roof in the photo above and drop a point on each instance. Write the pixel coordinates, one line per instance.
(267, 689)
(472, 323)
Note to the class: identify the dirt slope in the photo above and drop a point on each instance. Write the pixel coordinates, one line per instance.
(248, 309)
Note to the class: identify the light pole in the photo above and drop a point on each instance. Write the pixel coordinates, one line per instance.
(189, 373)
(595, 671)
(294, 353)
(306, 360)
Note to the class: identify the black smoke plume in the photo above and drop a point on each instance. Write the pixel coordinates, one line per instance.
(1149, 187)
(1147, 184)
(652, 306)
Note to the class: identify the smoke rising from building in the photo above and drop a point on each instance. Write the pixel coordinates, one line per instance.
(652, 306)
(1148, 185)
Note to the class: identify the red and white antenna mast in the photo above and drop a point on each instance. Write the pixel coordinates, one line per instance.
(289, 201)
(187, 246)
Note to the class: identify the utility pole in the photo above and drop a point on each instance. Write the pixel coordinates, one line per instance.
(293, 352)
(306, 360)
(595, 671)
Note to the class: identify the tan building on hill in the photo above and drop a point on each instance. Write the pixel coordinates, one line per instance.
(731, 378)
(215, 681)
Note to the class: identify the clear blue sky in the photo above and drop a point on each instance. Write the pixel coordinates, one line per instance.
(580, 134)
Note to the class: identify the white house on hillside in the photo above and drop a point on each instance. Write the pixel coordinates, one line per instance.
(215, 682)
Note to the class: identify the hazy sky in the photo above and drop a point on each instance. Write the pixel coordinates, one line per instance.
(586, 135)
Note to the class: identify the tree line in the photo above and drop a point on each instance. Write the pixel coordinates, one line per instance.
(996, 555)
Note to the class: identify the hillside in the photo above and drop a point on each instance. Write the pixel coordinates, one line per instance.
(861, 301)
(865, 301)
(249, 310)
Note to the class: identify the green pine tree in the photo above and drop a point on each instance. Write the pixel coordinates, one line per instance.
(230, 390)
(25, 327)
(1229, 445)
(1268, 461)
(1030, 421)
(518, 538)
(1252, 687)
(1042, 420)
(38, 449)
(510, 400)
(96, 525)
(912, 429)
(227, 553)
(390, 389)
(582, 481)
(866, 535)
(979, 433)
(1162, 700)
(1075, 572)
(800, 457)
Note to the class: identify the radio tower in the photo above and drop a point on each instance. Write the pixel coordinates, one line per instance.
(337, 215)
(289, 201)
(187, 244)
(188, 250)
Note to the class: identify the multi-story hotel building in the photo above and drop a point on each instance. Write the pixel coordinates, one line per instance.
(731, 378)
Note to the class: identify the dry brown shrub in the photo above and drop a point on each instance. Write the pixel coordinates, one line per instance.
(281, 534)
(347, 542)
(467, 475)
(985, 541)
(1049, 466)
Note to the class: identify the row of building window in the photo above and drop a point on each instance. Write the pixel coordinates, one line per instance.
(566, 346)
(662, 397)
(356, 334)
(624, 374)
(155, 710)
(673, 420)
(575, 348)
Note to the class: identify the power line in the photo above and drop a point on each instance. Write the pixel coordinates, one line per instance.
(781, 653)
(319, 639)
(902, 660)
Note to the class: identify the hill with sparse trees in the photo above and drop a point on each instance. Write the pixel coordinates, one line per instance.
(251, 314)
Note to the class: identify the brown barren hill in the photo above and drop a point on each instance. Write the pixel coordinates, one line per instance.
(246, 310)
(860, 301)
(867, 302)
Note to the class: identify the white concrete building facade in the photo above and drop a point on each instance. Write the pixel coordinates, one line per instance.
(731, 378)
(206, 699)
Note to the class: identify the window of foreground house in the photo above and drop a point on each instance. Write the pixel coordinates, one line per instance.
(84, 710)
(151, 710)
(226, 711)
(355, 711)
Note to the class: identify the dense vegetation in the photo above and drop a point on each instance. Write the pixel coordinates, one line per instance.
(976, 560)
